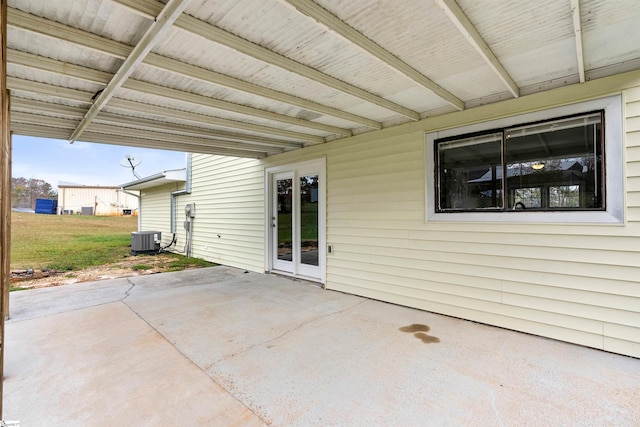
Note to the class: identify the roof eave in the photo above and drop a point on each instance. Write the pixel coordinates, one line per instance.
(162, 178)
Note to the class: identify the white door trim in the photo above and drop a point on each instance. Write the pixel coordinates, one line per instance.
(297, 169)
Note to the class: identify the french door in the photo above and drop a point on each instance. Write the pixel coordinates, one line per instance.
(296, 220)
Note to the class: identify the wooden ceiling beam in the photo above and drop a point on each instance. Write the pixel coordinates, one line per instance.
(469, 31)
(96, 76)
(218, 35)
(36, 24)
(79, 96)
(124, 104)
(170, 137)
(208, 76)
(192, 98)
(56, 110)
(51, 127)
(27, 22)
(29, 60)
(49, 121)
(577, 31)
(83, 97)
(32, 111)
(41, 107)
(163, 22)
(352, 35)
(180, 129)
(29, 129)
(164, 145)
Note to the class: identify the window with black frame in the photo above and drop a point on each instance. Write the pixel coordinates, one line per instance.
(550, 165)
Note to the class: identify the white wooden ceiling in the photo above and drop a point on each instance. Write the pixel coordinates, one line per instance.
(252, 78)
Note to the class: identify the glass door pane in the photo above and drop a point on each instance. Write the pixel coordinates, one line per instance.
(284, 219)
(296, 236)
(309, 220)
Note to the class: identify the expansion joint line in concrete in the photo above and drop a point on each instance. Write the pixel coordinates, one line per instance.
(285, 333)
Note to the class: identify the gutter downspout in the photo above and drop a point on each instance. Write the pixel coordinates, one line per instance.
(175, 194)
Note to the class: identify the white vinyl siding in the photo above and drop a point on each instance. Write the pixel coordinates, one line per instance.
(633, 153)
(574, 282)
(229, 223)
(155, 210)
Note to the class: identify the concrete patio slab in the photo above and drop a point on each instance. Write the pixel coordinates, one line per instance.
(219, 346)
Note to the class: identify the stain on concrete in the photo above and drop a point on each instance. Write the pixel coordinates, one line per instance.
(427, 339)
(420, 331)
(416, 327)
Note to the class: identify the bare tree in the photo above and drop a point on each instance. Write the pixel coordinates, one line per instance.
(24, 192)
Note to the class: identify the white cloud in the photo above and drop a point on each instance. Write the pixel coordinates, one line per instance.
(83, 163)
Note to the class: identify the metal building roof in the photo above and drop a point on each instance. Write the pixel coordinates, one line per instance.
(252, 78)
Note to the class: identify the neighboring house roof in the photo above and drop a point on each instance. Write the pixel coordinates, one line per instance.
(162, 178)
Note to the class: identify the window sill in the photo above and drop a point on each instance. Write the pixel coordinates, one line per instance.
(595, 217)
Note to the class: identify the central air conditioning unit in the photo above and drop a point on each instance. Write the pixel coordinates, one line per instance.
(145, 242)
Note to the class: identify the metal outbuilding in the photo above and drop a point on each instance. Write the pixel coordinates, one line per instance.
(95, 200)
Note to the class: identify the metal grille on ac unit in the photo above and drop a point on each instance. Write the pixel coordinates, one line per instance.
(145, 241)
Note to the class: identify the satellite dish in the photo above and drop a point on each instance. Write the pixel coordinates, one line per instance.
(129, 161)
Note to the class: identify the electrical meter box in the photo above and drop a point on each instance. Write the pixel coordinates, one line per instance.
(190, 210)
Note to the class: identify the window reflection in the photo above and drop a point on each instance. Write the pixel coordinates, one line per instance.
(285, 219)
(552, 165)
(309, 220)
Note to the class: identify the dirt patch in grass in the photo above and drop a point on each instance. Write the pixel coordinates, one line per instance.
(127, 267)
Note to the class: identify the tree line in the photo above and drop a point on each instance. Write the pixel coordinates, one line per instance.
(24, 192)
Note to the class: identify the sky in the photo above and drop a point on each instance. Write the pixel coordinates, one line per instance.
(56, 161)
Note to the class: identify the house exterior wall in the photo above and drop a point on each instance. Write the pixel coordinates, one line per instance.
(229, 223)
(155, 212)
(103, 200)
(574, 282)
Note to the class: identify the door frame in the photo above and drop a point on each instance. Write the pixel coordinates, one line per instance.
(298, 169)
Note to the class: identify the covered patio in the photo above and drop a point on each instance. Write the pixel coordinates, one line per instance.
(220, 346)
(266, 81)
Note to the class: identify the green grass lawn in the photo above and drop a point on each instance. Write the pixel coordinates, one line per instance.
(74, 242)
(68, 242)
